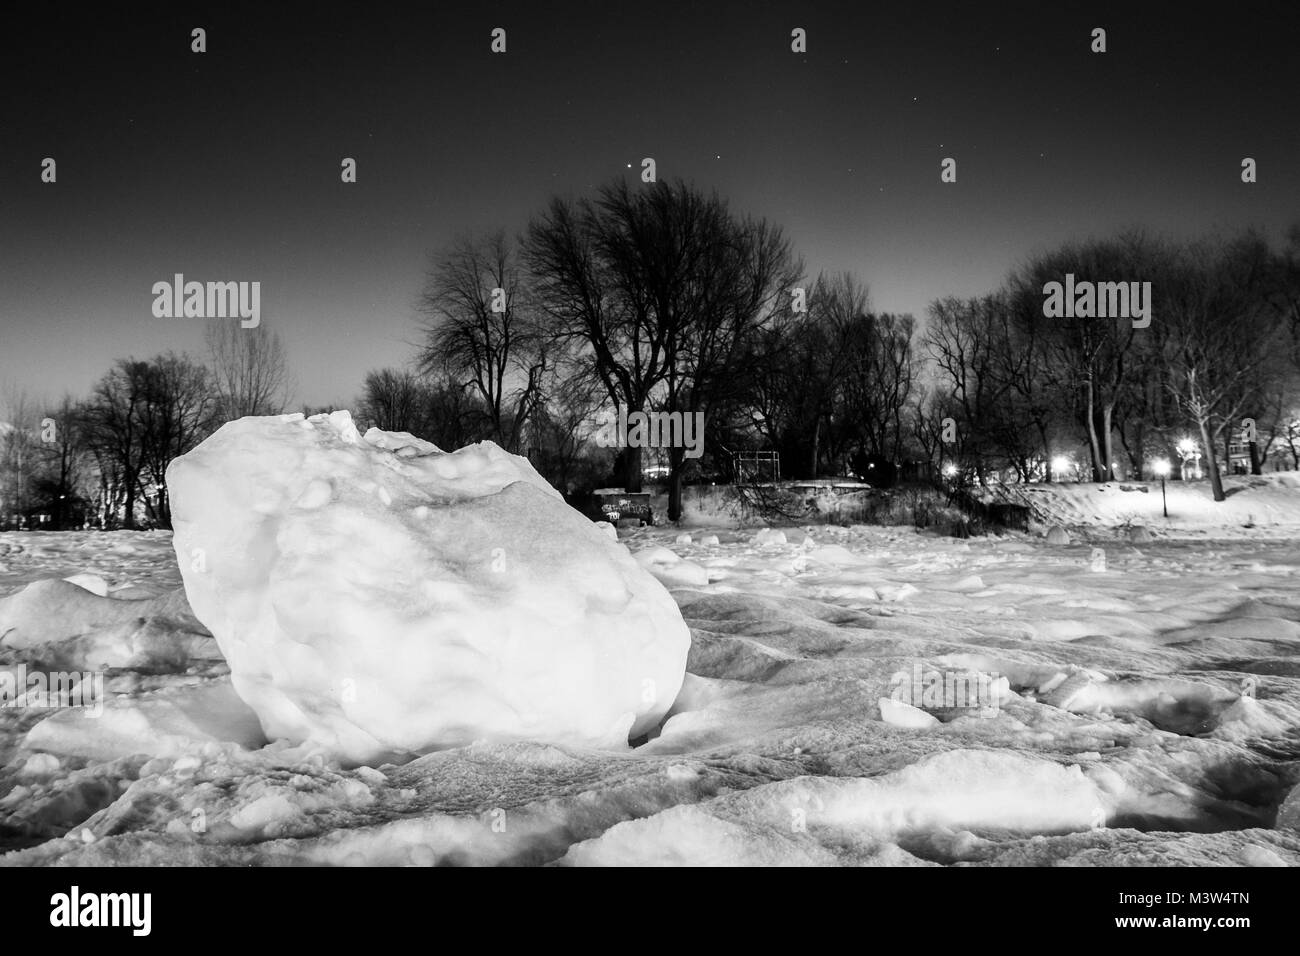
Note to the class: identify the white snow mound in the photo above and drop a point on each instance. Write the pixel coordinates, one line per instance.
(379, 598)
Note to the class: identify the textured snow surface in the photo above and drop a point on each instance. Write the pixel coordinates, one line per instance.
(380, 598)
(1147, 714)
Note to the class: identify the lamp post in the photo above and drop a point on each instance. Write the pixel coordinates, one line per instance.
(1162, 469)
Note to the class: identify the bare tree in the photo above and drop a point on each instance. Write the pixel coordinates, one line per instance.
(139, 417)
(19, 450)
(177, 414)
(482, 333)
(1223, 333)
(116, 436)
(249, 370)
(393, 400)
(1092, 357)
(64, 460)
(662, 287)
(434, 409)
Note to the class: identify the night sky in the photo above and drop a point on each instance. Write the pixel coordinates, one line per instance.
(225, 165)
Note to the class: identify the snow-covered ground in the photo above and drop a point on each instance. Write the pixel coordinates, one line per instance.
(854, 696)
(1255, 506)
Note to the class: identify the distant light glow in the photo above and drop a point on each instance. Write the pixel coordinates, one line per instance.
(1161, 466)
(1060, 463)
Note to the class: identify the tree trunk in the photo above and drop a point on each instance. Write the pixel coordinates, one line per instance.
(675, 461)
(128, 519)
(1097, 471)
(1255, 464)
(816, 440)
(1108, 433)
(631, 469)
(1212, 464)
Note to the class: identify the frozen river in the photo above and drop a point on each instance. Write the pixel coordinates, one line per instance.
(854, 696)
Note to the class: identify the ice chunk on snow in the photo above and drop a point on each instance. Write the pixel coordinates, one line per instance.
(77, 628)
(671, 569)
(164, 724)
(902, 714)
(1288, 814)
(466, 602)
(1057, 535)
(91, 582)
(768, 536)
(951, 791)
(835, 555)
(1248, 718)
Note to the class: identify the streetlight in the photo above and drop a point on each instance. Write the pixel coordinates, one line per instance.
(1060, 465)
(1162, 469)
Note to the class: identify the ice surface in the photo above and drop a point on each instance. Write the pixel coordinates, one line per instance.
(64, 623)
(377, 597)
(167, 723)
(1146, 716)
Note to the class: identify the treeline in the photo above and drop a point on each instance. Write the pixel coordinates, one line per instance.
(1216, 361)
(102, 460)
(661, 298)
(655, 298)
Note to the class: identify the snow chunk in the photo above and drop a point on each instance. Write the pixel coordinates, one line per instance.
(902, 714)
(91, 582)
(1288, 814)
(1057, 535)
(165, 724)
(835, 555)
(768, 536)
(951, 791)
(1248, 718)
(358, 626)
(671, 569)
(77, 628)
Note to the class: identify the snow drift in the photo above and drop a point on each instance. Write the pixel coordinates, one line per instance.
(381, 598)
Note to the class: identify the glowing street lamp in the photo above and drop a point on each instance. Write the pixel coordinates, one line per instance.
(1060, 465)
(950, 469)
(1189, 451)
(1161, 466)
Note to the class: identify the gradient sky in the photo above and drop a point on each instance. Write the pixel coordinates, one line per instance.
(225, 165)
